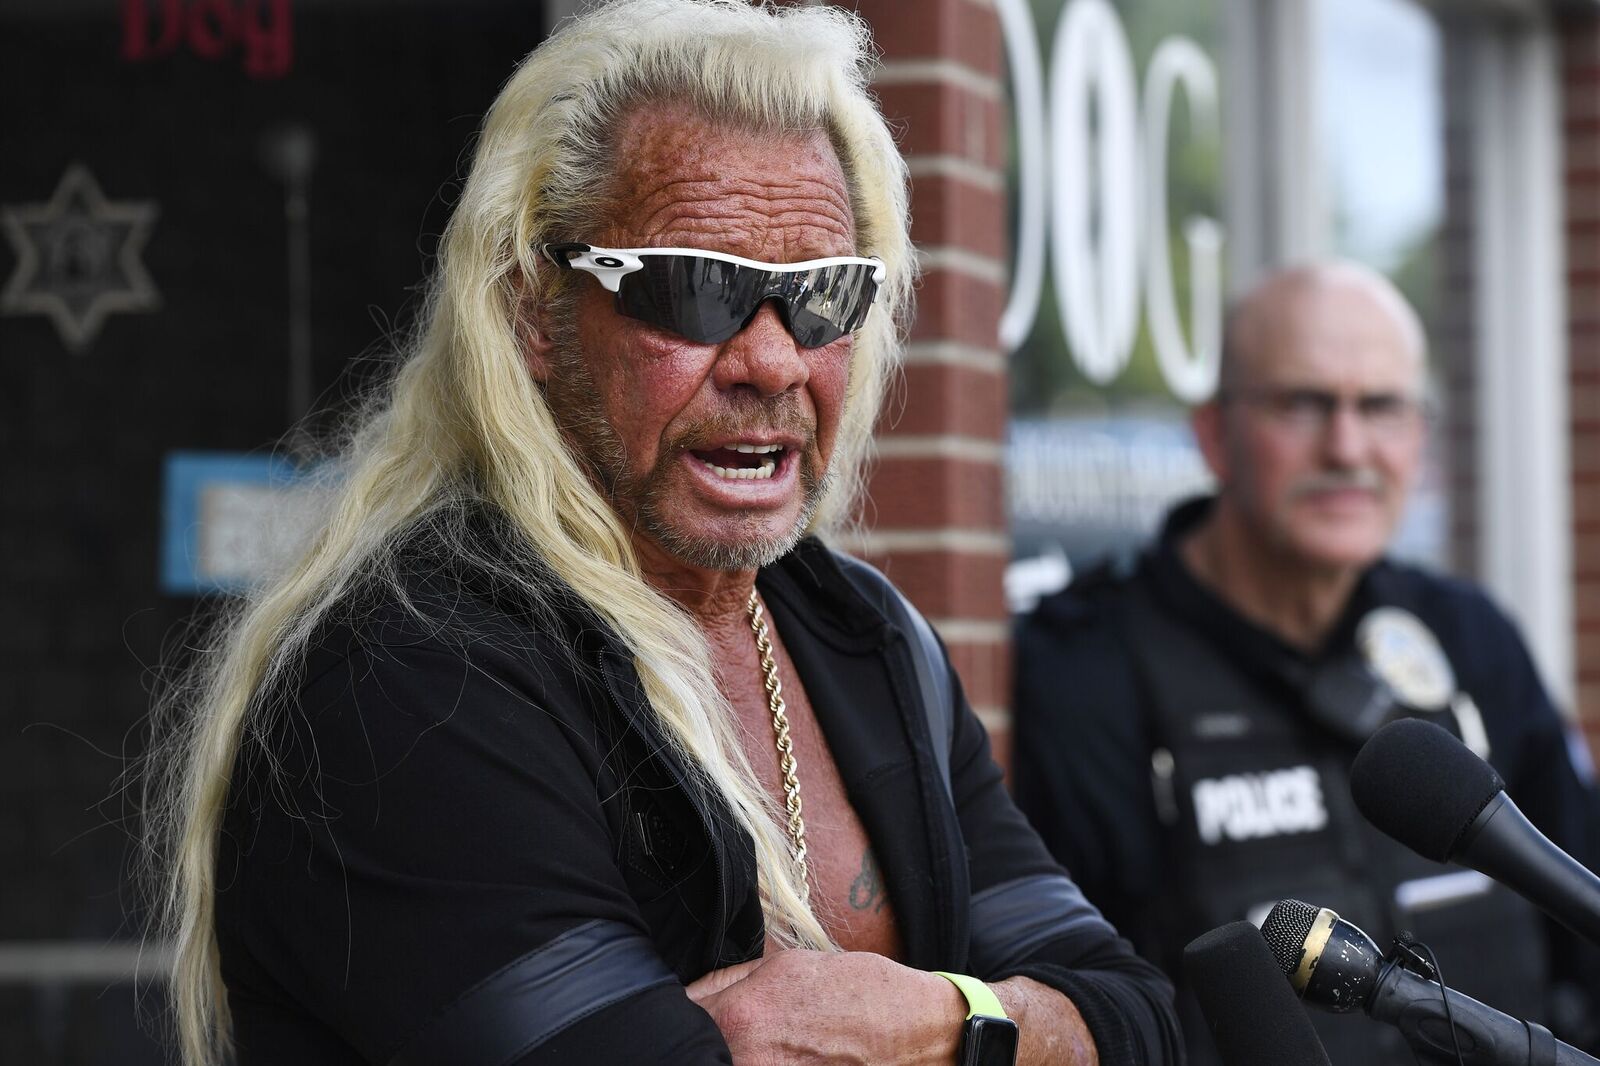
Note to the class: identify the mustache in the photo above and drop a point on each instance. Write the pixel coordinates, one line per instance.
(1364, 479)
(781, 415)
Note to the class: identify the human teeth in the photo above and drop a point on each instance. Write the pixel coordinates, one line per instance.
(756, 449)
(758, 473)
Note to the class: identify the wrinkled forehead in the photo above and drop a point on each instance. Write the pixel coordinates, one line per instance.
(683, 179)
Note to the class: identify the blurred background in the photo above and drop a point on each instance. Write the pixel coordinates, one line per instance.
(216, 215)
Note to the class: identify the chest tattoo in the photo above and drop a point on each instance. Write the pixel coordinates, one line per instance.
(866, 891)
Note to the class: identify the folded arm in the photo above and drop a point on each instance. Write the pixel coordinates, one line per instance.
(1076, 989)
(1029, 920)
(430, 877)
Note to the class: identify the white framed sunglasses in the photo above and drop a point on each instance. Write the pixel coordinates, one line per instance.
(707, 297)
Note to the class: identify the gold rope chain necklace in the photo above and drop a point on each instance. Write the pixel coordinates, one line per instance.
(785, 746)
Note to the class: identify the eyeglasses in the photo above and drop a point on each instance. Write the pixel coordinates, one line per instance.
(707, 297)
(1309, 411)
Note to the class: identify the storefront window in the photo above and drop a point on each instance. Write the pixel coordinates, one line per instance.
(1129, 237)
(1379, 112)
(1381, 143)
(1126, 326)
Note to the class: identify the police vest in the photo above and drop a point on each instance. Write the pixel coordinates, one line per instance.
(1251, 784)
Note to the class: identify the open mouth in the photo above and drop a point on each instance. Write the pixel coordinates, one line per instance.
(742, 462)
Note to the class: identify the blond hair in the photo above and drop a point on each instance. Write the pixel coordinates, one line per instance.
(462, 422)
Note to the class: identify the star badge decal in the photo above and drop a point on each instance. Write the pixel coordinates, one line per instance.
(78, 258)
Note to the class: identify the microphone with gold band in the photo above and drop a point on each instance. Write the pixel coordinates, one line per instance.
(1301, 936)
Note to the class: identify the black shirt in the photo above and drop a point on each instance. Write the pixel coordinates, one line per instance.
(1082, 768)
(478, 847)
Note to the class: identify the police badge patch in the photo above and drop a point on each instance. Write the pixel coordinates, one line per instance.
(78, 258)
(1406, 655)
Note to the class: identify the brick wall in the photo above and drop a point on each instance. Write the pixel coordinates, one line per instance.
(1454, 337)
(1580, 89)
(937, 511)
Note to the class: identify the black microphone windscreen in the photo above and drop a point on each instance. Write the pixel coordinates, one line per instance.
(1252, 1013)
(1422, 786)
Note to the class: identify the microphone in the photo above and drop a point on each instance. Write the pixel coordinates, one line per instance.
(1336, 966)
(1423, 787)
(1253, 1016)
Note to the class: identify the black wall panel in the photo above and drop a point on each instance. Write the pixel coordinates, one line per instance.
(173, 126)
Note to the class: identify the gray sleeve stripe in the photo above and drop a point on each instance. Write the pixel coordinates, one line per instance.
(1011, 921)
(531, 999)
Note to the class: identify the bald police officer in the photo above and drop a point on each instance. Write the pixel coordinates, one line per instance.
(1186, 721)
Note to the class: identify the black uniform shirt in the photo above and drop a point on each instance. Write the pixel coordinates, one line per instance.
(1082, 768)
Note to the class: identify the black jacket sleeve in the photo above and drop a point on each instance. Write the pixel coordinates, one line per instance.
(429, 874)
(1081, 763)
(1029, 918)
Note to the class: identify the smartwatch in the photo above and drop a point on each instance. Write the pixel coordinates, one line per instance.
(988, 1038)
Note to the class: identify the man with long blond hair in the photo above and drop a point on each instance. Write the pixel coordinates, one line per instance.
(566, 739)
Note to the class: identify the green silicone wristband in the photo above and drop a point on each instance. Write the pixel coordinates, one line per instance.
(980, 999)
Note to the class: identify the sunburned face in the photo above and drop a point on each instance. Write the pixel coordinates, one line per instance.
(716, 453)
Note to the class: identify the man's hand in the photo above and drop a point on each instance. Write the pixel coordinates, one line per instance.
(856, 1007)
(827, 1007)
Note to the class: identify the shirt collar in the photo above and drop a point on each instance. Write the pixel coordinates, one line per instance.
(1182, 593)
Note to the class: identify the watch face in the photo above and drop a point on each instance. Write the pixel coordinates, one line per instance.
(989, 1042)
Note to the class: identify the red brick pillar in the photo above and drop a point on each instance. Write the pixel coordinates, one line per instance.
(1580, 82)
(937, 509)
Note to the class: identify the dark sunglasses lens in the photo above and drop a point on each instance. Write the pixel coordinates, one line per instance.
(708, 300)
(823, 305)
(698, 299)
